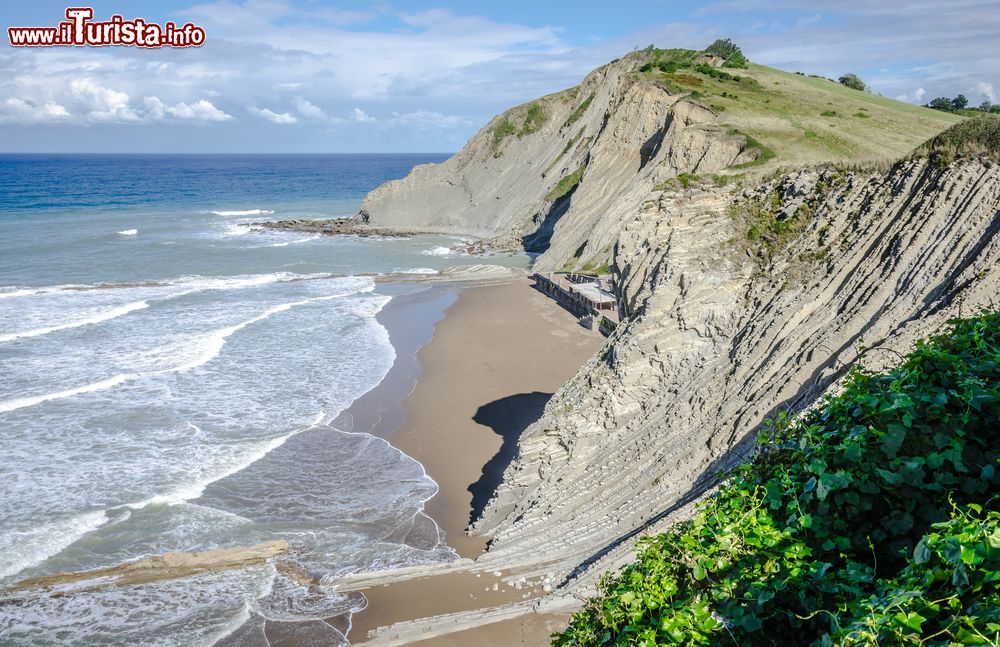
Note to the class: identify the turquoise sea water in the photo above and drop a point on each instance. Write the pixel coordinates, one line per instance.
(167, 381)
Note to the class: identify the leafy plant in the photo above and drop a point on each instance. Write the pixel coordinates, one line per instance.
(680, 181)
(853, 81)
(580, 109)
(502, 130)
(534, 118)
(871, 519)
(566, 185)
(727, 49)
(977, 136)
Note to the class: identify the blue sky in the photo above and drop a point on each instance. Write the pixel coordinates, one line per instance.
(317, 76)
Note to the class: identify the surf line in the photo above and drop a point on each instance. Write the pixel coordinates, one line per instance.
(216, 340)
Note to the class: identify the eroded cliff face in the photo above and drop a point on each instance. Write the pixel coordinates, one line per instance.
(737, 302)
(620, 134)
(740, 303)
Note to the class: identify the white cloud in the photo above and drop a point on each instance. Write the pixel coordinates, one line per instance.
(274, 117)
(310, 110)
(361, 116)
(917, 96)
(154, 107)
(295, 62)
(418, 71)
(986, 91)
(201, 110)
(429, 119)
(102, 103)
(16, 110)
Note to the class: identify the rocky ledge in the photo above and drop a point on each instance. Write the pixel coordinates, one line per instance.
(331, 227)
(168, 566)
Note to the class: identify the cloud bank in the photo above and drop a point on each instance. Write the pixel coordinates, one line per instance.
(292, 75)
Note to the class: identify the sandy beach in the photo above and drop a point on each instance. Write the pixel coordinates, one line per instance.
(492, 364)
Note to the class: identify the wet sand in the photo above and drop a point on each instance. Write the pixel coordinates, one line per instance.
(492, 364)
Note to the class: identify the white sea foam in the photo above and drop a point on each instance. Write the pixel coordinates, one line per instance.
(295, 242)
(237, 229)
(248, 212)
(194, 283)
(237, 463)
(417, 270)
(128, 232)
(22, 549)
(114, 313)
(438, 251)
(211, 345)
(8, 293)
(31, 401)
(213, 342)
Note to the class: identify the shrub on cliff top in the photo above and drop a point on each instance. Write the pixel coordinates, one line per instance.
(534, 118)
(853, 81)
(871, 519)
(976, 136)
(727, 49)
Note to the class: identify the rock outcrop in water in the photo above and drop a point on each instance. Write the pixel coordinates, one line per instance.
(168, 566)
(737, 301)
(327, 227)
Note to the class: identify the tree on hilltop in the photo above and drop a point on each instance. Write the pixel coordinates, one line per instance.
(942, 103)
(727, 49)
(853, 81)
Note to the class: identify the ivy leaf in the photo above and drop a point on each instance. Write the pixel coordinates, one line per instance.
(822, 490)
(912, 620)
(699, 571)
(893, 439)
(892, 478)
(921, 553)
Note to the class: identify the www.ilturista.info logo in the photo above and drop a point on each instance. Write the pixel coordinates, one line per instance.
(78, 30)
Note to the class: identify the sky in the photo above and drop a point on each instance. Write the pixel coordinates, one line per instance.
(311, 76)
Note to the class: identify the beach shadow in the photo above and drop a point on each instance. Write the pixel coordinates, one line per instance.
(507, 417)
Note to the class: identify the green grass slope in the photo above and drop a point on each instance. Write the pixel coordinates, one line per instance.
(803, 120)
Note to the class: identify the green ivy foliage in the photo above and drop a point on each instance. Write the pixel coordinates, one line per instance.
(871, 519)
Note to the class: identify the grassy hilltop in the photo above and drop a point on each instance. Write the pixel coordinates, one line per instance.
(796, 119)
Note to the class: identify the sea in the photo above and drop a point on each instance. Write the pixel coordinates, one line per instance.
(171, 380)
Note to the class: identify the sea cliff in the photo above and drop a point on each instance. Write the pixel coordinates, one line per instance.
(754, 265)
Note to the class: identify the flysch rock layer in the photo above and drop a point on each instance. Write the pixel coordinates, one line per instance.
(719, 337)
(719, 331)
